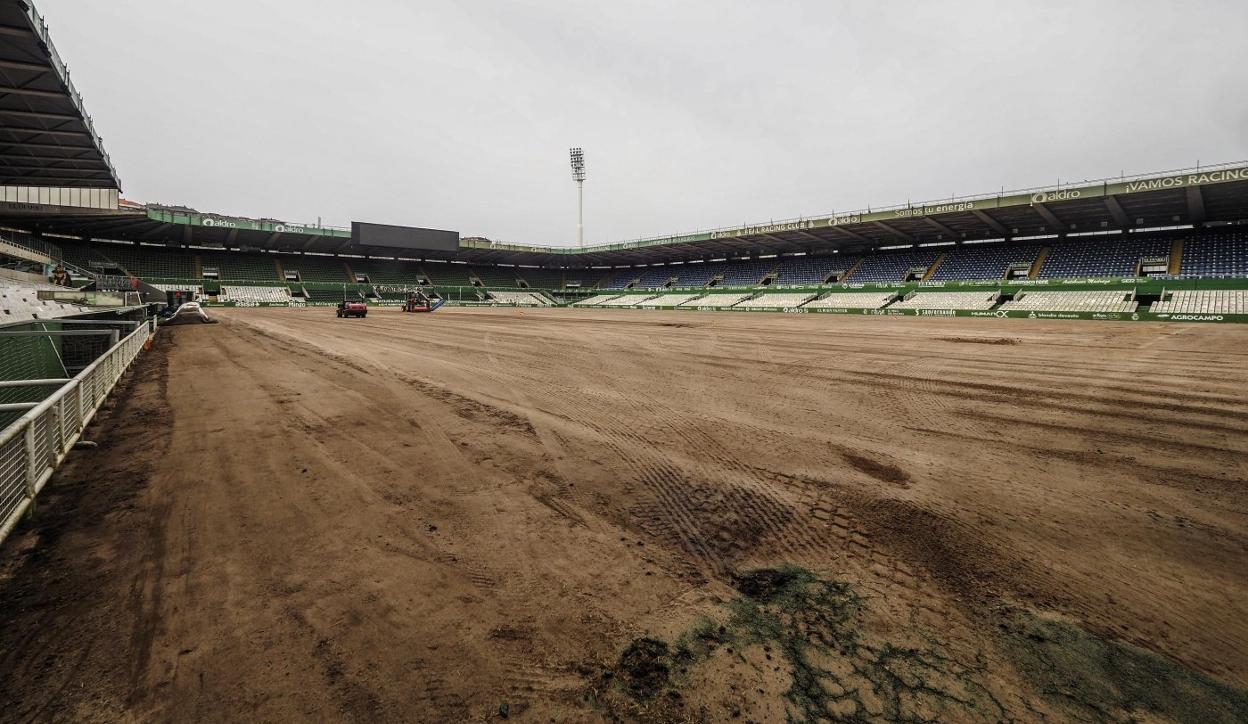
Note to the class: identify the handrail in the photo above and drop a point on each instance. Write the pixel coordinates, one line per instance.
(53, 252)
(42, 437)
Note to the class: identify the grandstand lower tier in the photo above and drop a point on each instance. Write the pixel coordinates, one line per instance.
(1214, 253)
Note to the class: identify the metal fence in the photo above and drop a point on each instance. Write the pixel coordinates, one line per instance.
(35, 444)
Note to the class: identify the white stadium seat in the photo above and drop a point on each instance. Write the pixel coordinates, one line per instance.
(784, 300)
(596, 299)
(852, 300)
(254, 294)
(520, 299)
(1090, 301)
(670, 300)
(948, 300)
(20, 302)
(1203, 301)
(717, 300)
(629, 300)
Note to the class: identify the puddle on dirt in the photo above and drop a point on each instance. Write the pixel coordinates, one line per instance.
(818, 638)
(1085, 676)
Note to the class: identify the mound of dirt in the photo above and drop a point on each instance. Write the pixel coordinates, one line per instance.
(982, 340)
(881, 471)
(643, 669)
(765, 584)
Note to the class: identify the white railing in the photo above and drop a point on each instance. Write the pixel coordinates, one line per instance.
(33, 446)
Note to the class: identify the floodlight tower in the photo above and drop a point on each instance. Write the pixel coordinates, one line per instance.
(578, 175)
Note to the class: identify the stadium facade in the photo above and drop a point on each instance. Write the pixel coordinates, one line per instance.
(1130, 244)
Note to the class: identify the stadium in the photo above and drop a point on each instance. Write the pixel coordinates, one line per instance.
(979, 458)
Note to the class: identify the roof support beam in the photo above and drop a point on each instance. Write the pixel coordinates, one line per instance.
(1051, 218)
(942, 228)
(992, 223)
(19, 65)
(1196, 205)
(44, 131)
(718, 246)
(895, 232)
(58, 159)
(773, 247)
(5, 167)
(231, 236)
(16, 32)
(39, 114)
(154, 231)
(1116, 211)
(32, 92)
(852, 234)
(46, 146)
(97, 230)
(34, 180)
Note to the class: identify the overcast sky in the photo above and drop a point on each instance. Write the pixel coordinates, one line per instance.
(697, 114)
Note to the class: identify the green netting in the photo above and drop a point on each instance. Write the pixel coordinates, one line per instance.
(27, 358)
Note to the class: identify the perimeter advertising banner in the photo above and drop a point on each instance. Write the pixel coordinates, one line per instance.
(217, 221)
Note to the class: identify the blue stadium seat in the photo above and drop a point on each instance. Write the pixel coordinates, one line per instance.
(1218, 254)
(810, 270)
(983, 261)
(1096, 258)
(747, 273)
(892, 266)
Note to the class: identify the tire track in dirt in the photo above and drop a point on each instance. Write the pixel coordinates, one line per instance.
(373, 452)
(670, 516)
(746, 495)
(508, 550)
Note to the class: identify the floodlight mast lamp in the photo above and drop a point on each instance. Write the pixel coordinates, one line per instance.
(578, 175)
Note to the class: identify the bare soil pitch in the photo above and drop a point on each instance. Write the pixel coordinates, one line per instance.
(595, 515)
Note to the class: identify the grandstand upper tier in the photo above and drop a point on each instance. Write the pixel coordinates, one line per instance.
(1209, 196)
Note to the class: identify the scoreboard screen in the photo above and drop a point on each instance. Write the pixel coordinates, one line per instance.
(412, 238)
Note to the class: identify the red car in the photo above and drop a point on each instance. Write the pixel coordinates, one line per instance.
(352, 309)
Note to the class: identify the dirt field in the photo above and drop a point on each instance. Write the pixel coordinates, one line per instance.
(573, 515)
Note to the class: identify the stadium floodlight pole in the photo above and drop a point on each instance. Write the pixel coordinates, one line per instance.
(578, 175)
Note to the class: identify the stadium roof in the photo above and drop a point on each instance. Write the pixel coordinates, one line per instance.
(46, 136)
(1194, 196)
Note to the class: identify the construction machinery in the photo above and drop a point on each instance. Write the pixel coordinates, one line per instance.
(421, 302)
(352, 309)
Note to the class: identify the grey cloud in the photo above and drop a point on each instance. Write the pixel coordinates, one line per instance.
(693, 114)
